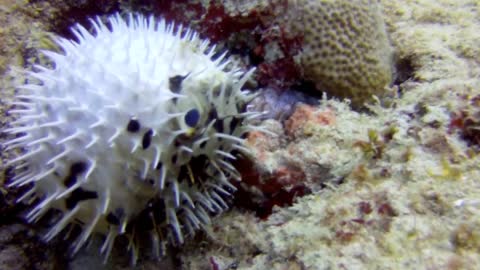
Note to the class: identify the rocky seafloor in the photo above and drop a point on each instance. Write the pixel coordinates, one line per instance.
(394, 185)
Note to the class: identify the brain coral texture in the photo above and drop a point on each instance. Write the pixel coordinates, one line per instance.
(346, 48)
(131, 132)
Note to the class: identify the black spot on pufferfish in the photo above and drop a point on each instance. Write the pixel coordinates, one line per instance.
(233, 124)
(218, 125)
(79, 195)
(197, 167)
(152, 214)
(147, 139)
(112, 219)
(174, 159)
(175, 83)
(192, 117)
(133, 125)
(75, 169)
(213, 115)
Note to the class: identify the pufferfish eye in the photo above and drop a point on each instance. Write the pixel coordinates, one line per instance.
(192, 117)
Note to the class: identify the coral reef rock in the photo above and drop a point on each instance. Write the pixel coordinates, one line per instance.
(346, 49)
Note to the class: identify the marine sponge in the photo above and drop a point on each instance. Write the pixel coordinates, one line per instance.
(346, 49)
(130, 133)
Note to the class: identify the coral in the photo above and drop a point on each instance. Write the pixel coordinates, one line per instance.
(131, 132)
(346, 50)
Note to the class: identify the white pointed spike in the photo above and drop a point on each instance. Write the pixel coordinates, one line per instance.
(95, 139)
(44, 98)
(186, 149)
(93, 165)
(55, 57)
(41, 140)
(219, 199)
(229, 137)
(225, 154)
(224, 64)
(99, 122)
(136, 145)
(227, 166)
(123, 226)
(222, 178)
(21, 166)
(40, 209)
(204, 201)
(107, 245)
(79, 108)
(86, 233)
(197, 143)
(186, 197)
(163, 175)
(81, 33)
(25, 156)
(106, 201)
(31, 87)
(176, 193)
(172, 217)
(76, 134)
(146, 164)
(114, 135)
(202, 214)
(250, 115)
(65, 152)
(27, 195)
(261, 129)
(155, 243)
(134, 251)
(245, 77)
(243, 149)
(20, 180)
(156, 158)
(27, 118)
(61, 224)
(190, 215)
(188, 226)
(18, 140)
(211, 52)
(219, 188)
(21, 103)
(214, 203)
(69, 190)
(40, 176)
(22, 112)
(220, 58)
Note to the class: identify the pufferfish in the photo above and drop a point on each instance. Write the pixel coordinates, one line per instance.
(131, 131)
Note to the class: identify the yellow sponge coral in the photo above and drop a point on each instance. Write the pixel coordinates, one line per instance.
(346, 51)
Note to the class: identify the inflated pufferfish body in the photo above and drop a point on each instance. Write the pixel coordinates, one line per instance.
(131, 132)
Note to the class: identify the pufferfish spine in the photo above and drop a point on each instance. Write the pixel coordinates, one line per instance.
(131, 132)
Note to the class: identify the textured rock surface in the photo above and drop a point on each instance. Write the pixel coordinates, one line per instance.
(347, 52)
(411, 200)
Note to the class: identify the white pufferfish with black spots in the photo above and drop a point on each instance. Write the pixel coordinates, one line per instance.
(130, 131)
